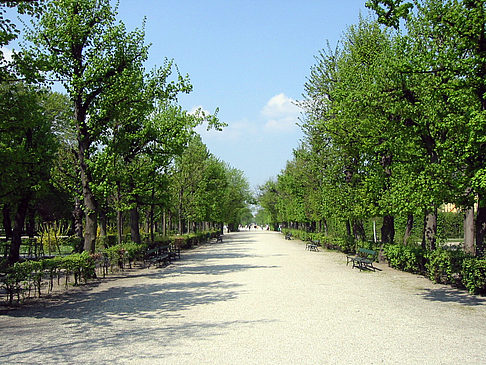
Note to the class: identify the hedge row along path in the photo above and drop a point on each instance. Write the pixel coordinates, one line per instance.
(254, 299)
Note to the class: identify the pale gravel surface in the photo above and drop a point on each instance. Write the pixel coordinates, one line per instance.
(255, 299)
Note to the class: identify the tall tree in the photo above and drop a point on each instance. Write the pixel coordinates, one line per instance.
(94, 57)
(27, 146)
(450, 40)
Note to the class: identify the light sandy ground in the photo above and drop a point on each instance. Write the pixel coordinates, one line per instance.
(255, 299)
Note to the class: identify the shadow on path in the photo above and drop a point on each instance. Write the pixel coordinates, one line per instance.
(451, 295)
(150, 294)
(161, 338)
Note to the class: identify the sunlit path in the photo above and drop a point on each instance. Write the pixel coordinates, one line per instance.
(254, 299)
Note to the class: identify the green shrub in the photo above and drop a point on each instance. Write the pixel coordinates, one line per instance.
(124, 253)
(450, 225)
(81, 265)
(444, 266)
(75, 242)
(346, 244)
(24, 276)
(474, 275)
(108, 241)
(406, 258)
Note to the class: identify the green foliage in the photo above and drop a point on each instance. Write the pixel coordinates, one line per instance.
(443, 266)
(474, 275)
(390, 11)
(407, 258)
(205, 189)
(22, 277)
(187, 241)
(107, 241)
(450, 225)
(121, 254)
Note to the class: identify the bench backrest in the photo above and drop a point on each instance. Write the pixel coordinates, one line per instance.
(364, 252)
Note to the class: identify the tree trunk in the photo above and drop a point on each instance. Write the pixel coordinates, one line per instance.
(480, 227)
(348, 228)
(30, 227)
(119, 226)
(78, 224)
(388, 229)
(119, 214)
(152, 223)
(469, 232)
(164, 223)
(430, 229)
(90, 203)
(326, 228)
(408, 229)
(102, 223)
(180, 211)
(358, 230)
(19, 220)
(134, 225)
(313, 226)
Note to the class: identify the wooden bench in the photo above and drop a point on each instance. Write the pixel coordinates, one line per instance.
(288, 236)
(312, 245)
(363, 259)
(157, 255)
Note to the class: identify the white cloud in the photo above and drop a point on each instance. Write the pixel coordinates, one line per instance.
(199, 109)
(281, 113)
(232, 132)
(7, 55)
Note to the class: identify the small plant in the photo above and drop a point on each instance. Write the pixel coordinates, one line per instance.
(474, 275)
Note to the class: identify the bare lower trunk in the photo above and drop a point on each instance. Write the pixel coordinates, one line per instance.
(19, 220)
(408, 229)
(78, 225)
(358, 230)
(135, 225)
(180, 212)
(90, 203)
(164, 223)
(388, 229)
(119, 226)
(430, 229)
(119, 214)
(30, 226)
(103, 224)
(152, 223)
(91, 225)
(469, 231)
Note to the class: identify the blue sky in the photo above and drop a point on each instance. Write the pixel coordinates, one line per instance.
(250, 59)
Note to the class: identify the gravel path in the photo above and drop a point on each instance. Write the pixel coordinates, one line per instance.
(255, 299)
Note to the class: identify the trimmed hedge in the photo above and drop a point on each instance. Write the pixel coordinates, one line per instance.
(24, 277)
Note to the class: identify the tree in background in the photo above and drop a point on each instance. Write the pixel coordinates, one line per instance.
(27, 147)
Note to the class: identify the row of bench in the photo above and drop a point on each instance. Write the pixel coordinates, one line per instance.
(164, 255)
(161, 255)
(363, 259)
